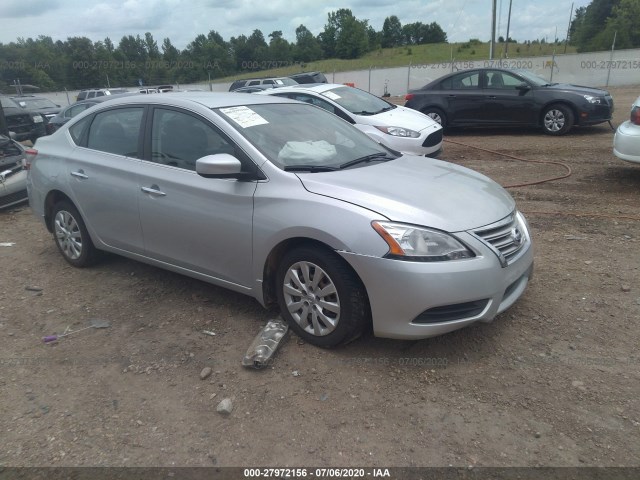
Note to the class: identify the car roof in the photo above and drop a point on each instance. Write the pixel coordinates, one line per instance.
(104, 98)
(312, 87)
(206, 99)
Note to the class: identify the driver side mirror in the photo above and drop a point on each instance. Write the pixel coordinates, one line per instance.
(222, 165)
(523, 87)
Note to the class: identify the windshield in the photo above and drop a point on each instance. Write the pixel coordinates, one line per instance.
(357, 101)
(302, 137)
(36, 103)
(533, 78)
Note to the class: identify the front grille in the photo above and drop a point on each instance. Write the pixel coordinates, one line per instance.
(449, 313)
(434, 139)
(506, 238)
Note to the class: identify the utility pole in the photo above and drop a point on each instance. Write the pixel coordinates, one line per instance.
(493, 30)
(566, 40)
(506, 48)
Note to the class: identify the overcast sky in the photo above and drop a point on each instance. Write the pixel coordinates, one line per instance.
(182, 20)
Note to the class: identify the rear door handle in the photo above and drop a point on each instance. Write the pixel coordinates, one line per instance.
(154, 190)
(79, 174)
(492, 97)
(451, 96)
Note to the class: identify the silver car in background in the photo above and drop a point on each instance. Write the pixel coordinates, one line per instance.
(626, 142)
(13, 176)
(287, 203)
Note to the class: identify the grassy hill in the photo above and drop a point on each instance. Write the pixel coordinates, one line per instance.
(415, 54)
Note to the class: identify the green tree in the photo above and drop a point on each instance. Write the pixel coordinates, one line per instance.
(307, 47)
(589, 34)
(623, 23)
(279, 49)
(344, 36)
(391, 32)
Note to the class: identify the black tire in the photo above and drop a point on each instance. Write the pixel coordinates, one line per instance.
(557, 120)
(71, 235)
(313, 315)
(437, 115)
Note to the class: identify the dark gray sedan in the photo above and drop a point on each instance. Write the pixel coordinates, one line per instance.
(500, 97)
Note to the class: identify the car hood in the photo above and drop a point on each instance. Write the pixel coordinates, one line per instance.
(418, 190)
(399, 117)
(566, 87)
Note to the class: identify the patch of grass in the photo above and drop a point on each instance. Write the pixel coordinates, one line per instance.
(403, 56)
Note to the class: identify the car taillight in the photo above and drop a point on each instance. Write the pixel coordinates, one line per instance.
(635, 115)
(408, 96)
(29, 157)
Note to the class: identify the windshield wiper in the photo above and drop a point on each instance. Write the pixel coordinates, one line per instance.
(364, 112)
(379, 157)
(309, 168)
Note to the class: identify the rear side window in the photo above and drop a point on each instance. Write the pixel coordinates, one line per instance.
(116, 131)
(462, 81)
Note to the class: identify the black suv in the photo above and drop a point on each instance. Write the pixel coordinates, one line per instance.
(41, 105)
(25, 124)
(309, 77)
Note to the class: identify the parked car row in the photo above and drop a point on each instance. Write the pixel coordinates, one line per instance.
(277, 82)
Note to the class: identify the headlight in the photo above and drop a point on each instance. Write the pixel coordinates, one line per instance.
(37, 119)
(592, 99)
(407, 242)
(399, 132)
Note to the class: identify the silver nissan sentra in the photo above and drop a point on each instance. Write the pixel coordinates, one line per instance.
(288, 203)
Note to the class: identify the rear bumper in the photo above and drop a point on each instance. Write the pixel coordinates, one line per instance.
(626, 142)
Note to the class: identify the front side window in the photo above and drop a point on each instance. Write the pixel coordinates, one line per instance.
(179, 139)
(116, 131)
(502, 80)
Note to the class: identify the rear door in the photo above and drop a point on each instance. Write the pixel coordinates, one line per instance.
(199, 224)
(103, 175)
(463, 98)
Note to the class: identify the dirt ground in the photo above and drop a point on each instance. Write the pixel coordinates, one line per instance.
(554, 381)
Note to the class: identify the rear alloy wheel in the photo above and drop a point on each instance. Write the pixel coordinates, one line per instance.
(436, 115)
(557, 120)
(71, 236)
(321, 298)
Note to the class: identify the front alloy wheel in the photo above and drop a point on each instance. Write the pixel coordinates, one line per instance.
(321, 297)
(311, 298)
(557, 120)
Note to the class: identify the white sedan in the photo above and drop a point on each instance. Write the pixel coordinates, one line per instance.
(399, 128)
(626, 143)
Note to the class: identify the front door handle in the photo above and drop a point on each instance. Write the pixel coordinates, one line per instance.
(154, 190)
(492, 97)
(79, 174)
